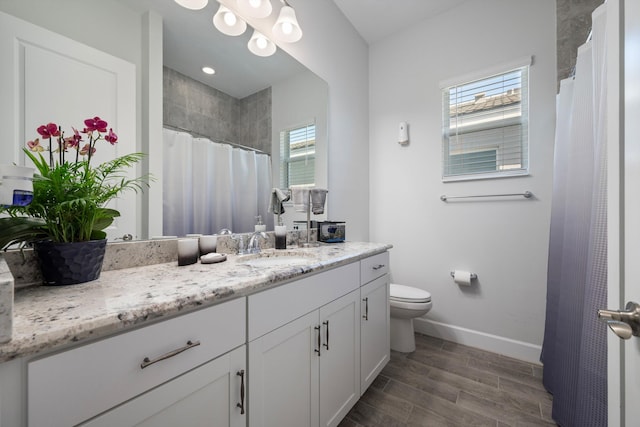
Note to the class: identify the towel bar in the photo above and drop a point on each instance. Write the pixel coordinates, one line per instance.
(526, 195)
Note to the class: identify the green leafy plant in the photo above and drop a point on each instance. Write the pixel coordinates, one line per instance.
(69, 195)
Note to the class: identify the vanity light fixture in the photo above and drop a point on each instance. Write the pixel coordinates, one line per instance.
(208, 70)
(255, 8)
(227, 22)
(193, 4)
(286, 27)
(261, 45)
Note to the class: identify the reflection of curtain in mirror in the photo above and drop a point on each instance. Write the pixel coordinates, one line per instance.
(209, 186)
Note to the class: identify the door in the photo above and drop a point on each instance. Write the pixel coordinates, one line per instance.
(49, 78)
(374, 333)
(624, 206)
(283, 391)
(339, 358)
(206, 396)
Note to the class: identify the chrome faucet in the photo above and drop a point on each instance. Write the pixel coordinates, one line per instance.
(253, 247)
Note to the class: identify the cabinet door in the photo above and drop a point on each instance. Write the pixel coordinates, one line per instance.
(207, 396)
(284, 375)
(374, 329)
(339, 358)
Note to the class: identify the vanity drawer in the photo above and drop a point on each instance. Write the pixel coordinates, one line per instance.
(67, 388)
(270, 309)
(373, 267)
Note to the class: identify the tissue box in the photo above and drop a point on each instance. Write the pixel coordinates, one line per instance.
(331, 231)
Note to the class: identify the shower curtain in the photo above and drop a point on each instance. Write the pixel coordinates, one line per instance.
(574, 351)
(209, 186)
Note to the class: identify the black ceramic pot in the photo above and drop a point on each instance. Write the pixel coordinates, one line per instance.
(70, 263)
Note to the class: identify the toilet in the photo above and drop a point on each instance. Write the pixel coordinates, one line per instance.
(406, 303)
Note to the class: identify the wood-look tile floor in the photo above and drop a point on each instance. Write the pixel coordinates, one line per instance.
(448, 384)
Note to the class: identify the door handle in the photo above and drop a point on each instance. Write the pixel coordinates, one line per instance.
(623, 323)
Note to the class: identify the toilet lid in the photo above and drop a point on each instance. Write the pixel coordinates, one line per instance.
(408, 294)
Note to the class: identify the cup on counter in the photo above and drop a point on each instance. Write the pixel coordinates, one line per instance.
(207, 244)
(187, 251)
(281, 236)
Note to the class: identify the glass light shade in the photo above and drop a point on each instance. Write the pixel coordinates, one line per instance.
(286, 27)
(255, 8)
(193, 4)
(228, 23)
(260, 45)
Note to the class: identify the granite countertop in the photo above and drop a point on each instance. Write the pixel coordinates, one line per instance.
(49, 317)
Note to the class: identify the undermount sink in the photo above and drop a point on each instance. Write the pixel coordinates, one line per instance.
(275, 259)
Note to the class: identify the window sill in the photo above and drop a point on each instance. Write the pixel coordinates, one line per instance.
(479, 176)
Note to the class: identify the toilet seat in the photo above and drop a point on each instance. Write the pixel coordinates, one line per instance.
(407, 294)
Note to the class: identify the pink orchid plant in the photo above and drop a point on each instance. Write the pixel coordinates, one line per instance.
(69, 194)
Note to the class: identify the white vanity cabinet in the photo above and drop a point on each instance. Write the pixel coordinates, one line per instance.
(153, 375)
(297, 354)
(304, 353)
(374, 320)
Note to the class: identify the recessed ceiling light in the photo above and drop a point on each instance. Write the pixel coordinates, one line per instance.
(208, 70)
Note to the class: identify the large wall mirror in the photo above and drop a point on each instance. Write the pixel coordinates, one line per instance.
(248, 101)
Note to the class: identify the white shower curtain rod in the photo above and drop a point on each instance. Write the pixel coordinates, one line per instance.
(221, 141)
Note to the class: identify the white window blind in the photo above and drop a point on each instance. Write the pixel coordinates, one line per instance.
(485, 127)
(298, 155)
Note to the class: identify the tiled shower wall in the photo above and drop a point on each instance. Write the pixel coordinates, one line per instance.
(572, 28)
(203, 110)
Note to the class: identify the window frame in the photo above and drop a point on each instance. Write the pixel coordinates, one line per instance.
(522, 120)
(285, 161)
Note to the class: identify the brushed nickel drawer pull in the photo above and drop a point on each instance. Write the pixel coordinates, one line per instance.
(366, 308)
(378, 267)
(190, 344)
(240, 405)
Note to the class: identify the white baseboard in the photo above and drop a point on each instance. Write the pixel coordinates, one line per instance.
(493, 343)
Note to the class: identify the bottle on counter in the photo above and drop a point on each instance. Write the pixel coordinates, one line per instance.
(260, 226)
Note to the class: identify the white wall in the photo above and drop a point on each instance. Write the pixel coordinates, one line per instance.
(503, 241)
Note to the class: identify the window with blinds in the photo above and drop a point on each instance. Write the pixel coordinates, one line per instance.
(298, 156)
(485, 131)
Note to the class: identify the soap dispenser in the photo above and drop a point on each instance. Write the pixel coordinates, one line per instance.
(259, 224)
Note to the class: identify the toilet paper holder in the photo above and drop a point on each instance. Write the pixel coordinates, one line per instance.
(473, 276)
